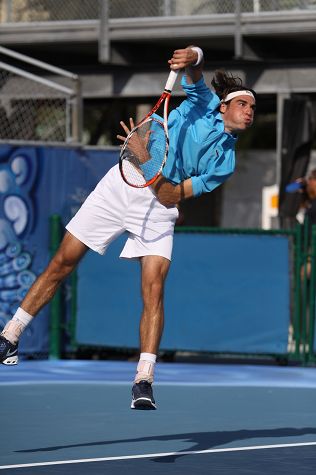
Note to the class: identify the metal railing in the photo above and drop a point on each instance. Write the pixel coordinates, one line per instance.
(26, 11)
(38, 108)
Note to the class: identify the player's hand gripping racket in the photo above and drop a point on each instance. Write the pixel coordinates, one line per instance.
(145, 149)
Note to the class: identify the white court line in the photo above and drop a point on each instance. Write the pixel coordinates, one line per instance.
(165, 454)
(206, 384)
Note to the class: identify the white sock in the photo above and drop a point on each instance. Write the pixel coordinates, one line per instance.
(145, 367)
(15, 327)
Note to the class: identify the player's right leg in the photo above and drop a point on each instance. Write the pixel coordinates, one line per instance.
(70, 252)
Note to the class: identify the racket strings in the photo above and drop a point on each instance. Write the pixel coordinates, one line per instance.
(144, 153)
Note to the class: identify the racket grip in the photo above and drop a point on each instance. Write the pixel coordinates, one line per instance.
(171, 80)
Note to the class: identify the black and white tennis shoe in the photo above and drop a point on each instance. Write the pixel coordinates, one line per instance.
(142, 396)
(8, 352)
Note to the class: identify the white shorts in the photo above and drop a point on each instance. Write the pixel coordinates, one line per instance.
(115, 207)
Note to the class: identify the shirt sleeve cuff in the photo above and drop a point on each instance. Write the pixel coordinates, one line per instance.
(197, 185)
(195, 85)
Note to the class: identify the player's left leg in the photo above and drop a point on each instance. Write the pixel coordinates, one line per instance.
(151, 227)
(154, 272)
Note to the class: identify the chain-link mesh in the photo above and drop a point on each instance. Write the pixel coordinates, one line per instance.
(31, 111)
(146, 8)
(48, 10)
(61, 10)
(257, 6)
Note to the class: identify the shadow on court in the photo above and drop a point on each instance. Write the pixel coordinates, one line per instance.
(76, 418)
(199, 440)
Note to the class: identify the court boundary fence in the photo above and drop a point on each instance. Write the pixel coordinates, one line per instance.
(301, 345)
(308, 292)
(39, 102)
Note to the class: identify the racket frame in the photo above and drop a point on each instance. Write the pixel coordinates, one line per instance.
(165, 96)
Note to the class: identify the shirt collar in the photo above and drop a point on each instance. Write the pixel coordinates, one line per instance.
(231, 137)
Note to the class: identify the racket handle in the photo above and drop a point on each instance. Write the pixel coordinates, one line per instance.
(171, 80)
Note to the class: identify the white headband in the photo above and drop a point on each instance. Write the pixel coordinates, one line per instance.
(243, 92)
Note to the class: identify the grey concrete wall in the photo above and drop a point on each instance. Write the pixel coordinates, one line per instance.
(242, 194)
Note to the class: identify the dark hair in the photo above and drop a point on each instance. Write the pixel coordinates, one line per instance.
(312, 175)
(224, 83)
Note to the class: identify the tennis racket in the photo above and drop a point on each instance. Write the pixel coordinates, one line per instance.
(145, 149)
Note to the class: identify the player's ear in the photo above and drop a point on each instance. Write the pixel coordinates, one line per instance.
(223, 107)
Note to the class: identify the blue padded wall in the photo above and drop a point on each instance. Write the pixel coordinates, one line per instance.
(224, 293)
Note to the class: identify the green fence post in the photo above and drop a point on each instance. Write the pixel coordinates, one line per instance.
(73, 317)
(297, 290)
(55, 304)
(312, 294)
(305, 299)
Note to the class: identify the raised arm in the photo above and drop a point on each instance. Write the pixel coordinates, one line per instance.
(167, 193)
(187, 59)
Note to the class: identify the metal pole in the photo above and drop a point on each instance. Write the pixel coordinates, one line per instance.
(298, 290)
(167, 8)
(305, 288)
(256, 6)
(104, 37)
(312, 295)
(238, 36)
(77, 111)
(32, 77)
(73, 317)
(68, 121)
(36, 62)
(8, 11)
(279, 133)
(55, 305)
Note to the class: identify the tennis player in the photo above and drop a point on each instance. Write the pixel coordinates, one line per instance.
(202, 134)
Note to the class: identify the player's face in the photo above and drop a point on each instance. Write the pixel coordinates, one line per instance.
(311, 187)
(238, 114)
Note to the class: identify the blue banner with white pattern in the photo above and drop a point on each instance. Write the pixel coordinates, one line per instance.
(35, 183)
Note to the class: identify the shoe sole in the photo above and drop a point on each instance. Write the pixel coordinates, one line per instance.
(11, 360)
(143, 404)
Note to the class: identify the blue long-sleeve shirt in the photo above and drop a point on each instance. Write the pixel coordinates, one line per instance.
(199, 148)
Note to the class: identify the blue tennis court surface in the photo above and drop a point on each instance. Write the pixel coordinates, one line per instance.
(66, 417)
